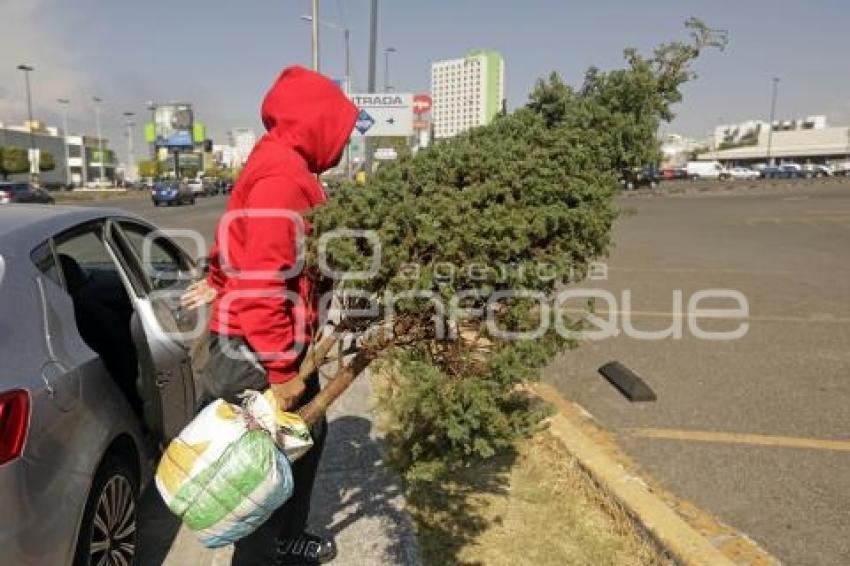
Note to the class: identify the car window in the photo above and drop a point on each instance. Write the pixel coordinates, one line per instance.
(85, 262)
(45, 261)
(164, 265)
(20, 188)
(169, 271)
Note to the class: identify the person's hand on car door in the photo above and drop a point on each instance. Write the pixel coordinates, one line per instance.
(197, 295)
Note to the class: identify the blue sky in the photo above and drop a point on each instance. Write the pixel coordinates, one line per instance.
(222, 55)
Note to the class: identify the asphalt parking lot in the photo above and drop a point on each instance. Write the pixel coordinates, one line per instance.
(755, 430)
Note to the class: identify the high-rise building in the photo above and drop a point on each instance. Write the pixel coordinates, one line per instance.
(242, 140)
(467, 92)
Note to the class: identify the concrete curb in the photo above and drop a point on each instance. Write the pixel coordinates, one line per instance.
(660, 520)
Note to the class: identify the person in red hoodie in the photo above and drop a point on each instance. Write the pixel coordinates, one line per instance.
(263, 313)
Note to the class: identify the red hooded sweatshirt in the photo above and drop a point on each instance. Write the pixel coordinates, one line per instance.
(308, 121)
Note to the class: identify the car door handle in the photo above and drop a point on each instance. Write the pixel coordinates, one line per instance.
(162, 379)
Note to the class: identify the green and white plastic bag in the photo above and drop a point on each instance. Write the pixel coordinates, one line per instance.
(229, 469)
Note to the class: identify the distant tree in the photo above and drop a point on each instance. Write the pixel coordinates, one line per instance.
(13, 160)
(46, 161)
(624, 107)
(189, 172)
(149, 168)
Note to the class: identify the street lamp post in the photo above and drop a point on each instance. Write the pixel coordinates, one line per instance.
(65, 102)
(346, 35)
(315, 35)
(387, 52)
(27, 69)
(348, 88)
(97, 102)
(772, 117)
(373, 42)
(131, 159)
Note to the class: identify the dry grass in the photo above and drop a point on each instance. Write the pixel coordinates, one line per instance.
(536, 506)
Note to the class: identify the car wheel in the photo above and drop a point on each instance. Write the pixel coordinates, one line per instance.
(108, 533)
(192, 201)
(156, 203)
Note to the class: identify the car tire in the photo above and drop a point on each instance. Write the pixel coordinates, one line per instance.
(192, 201)
(115, 486)
(156, 203)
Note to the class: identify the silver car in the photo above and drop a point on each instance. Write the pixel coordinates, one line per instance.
(94, 378)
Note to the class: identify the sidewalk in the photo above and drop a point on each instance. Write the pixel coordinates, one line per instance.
(356, 500)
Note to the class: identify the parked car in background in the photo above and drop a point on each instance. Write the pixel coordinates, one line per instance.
(784, 171)
(842, 168)
(744, 173)
(172, 192)
(637, 177)
(196, 186)
(794, 168)
(210, 185)
(816, 170)
(771, 172)
(24, 193)
(673, 173)
(706, 170)
(93, 380)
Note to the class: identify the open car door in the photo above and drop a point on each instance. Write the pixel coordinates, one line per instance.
(156, 272)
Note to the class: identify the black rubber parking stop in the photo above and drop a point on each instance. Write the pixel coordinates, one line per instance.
(630, 384)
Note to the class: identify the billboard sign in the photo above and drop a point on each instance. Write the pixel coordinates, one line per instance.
(173, 125)
(422, 104)
(383, 114)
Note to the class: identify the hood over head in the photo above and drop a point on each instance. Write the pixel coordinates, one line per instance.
(311, 114)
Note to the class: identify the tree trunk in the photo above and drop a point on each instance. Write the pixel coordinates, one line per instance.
(345, 376)
(316, 354)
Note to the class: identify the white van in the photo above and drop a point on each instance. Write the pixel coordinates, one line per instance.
(706, 170)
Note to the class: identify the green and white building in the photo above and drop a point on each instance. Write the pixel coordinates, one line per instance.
(466, 92)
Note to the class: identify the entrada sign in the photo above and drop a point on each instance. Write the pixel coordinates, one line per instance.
(383, 114)
(373, 99)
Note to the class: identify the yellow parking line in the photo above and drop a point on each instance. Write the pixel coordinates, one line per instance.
(741, 438)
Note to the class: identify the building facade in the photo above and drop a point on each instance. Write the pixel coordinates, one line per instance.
(466, 92)
(804, 140)
(242, 140)
(677, 150)
(84, 160)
